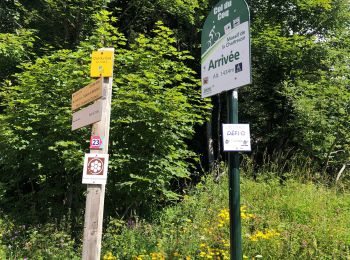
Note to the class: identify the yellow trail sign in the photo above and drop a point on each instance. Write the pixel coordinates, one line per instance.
(102, 64)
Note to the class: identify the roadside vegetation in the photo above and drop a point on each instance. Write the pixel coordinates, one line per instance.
(166, 194)
(282, 218)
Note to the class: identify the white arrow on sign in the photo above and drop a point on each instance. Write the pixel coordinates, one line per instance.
(87, 116)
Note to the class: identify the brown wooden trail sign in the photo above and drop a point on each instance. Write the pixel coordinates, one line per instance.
(90, 93)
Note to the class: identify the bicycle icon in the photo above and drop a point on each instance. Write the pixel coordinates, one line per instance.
(213, 37)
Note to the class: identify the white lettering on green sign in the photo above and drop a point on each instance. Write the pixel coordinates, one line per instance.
(221, 10)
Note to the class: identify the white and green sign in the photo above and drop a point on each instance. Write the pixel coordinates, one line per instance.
(225, 55)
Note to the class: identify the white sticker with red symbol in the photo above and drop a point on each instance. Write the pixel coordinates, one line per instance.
(95, 168)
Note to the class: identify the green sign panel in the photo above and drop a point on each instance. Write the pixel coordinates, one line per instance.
(225, 53)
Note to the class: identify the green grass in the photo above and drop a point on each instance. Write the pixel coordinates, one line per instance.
(289, 220)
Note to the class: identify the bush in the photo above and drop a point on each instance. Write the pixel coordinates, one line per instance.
(36, 242)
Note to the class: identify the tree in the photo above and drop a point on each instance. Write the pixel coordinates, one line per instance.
(322, 107)
(154, 111)
(64, 23)
(10, 15)
(40, 160)
(15, 48)
(287, 48)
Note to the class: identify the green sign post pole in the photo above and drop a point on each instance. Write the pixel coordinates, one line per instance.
(225, 66)
(234, 184)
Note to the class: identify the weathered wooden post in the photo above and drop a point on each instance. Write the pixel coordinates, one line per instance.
(96, 192)
(96, 163)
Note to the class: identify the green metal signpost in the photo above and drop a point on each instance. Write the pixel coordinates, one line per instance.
(225, 66)
(234, 185)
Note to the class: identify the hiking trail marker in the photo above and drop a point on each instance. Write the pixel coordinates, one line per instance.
(96, 142)
(102, 63)
(90, 93)
(95, 168)
(96, 162)
(87, 116)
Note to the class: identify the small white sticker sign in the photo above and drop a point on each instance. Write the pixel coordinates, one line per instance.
(95, 168)
(236, 137)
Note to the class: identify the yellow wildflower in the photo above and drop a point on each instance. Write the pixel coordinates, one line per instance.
(109, 256)
(157, 256)
(267, 234)
(223, 217)
(244, 214)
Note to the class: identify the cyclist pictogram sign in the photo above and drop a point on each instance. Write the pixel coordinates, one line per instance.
(95, 168)
(225, 48)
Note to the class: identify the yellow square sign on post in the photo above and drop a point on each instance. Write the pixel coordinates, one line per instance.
(102, 64)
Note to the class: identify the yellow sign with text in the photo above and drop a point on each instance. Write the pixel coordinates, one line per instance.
(102, 64)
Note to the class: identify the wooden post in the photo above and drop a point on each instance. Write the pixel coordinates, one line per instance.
(96, 192)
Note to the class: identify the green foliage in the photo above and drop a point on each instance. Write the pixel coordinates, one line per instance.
(39, 242)
(321, 102)
(303, 17)
(15, 48)
(288, 44)
(183, 9)
(10, 15)
(62, 24)
(184, 17)
(40, 153)
(298, 60)
(298, 107)
(280, 221)
(155, 107)
(313, 221)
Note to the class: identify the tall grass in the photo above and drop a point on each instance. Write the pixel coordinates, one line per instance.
(290, 164)
(287, 213)
(286, 219)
